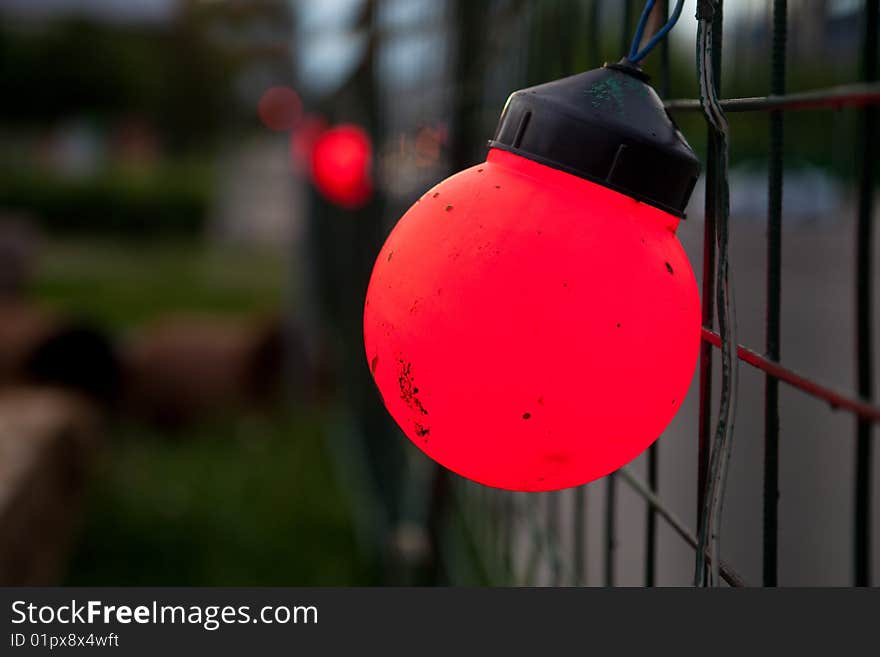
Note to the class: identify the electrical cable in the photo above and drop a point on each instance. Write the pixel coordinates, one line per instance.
(640, 30)
(709, 538)
(635, 55)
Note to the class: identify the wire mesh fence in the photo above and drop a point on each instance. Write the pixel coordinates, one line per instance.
(575, 537)
(528, 539)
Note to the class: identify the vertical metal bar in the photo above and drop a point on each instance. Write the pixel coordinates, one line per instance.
(580, 535)
(595, 51)
(508, 524)
(439, 510)
(551, 532)
(625, 33)
(653, 464)
(665, 79)
(774, 291)
(534, 551)
(864, 351)
(610, 527)
(611, 482)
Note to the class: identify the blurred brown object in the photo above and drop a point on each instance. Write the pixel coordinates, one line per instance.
(182, 368)
(19, 243)
(47, 441)
(37, 347)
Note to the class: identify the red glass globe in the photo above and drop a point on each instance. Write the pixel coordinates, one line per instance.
(341, 165)
(529, 329)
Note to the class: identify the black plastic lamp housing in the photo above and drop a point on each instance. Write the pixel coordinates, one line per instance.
(607, 125)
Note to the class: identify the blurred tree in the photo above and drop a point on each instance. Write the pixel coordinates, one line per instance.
(171, 76)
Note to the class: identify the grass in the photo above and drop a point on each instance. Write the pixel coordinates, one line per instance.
(120, 285)
(240, 500)
(250, 501)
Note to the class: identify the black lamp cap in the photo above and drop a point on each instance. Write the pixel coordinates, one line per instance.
(608, 126)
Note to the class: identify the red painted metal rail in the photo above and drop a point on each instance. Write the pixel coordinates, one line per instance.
(837, 400)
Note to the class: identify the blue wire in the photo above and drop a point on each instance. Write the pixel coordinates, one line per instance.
(641, 54)
(640, 30)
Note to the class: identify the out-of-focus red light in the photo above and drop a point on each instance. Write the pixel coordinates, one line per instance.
(279, 108)
(302, 141)
(529, 329)
(341, 165)
(428, 143)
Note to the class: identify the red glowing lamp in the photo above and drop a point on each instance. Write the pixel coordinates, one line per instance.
(341, 165)
(532, 322)
(279, 108)
(302, 142)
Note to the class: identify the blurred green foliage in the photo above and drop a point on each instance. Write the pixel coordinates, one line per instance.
(170, 76)
(169, 199)
(119, 284)
(238, 501)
